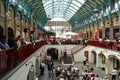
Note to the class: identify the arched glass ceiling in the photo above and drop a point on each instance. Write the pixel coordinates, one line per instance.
(62, 8)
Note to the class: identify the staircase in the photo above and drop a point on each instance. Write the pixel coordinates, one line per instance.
(77, 48)
(67, 60)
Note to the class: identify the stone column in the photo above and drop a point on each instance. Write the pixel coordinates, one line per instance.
(103, 31)
(88, 33)
(97, 32)
(111, 30)
(15, 24)
(29, 26)
(6, 24)
(109, 65)
(93, 32)
(26, 33)
(21, 28)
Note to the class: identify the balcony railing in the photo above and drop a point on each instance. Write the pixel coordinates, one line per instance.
(12, 57)
(108, 45)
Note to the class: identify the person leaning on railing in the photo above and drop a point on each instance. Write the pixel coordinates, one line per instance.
(3, 44)
(11, 41)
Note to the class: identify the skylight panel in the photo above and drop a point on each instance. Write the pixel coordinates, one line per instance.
(62, 8)
(47, 3)
(72, 9)
(82, 1)
(75, 7)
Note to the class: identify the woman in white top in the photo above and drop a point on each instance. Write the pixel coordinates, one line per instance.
(114, 74)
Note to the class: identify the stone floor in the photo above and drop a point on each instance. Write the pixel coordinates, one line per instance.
(98, 71)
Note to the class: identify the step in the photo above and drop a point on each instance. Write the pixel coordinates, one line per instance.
(67, 60)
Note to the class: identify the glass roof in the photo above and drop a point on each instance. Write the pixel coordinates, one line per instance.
(62, 8)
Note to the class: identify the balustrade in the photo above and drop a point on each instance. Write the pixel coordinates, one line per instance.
(108, 45)
(12, 57)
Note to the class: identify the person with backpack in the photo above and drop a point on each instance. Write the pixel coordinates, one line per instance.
(50, 66)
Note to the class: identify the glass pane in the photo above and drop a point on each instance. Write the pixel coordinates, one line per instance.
(62, 8)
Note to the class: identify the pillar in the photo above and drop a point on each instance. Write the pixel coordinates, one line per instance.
(88, 33)
(21, 28)
(97, 33)
(93, 33)
(109, 65)
(103, 31)
(26, 26)
(111, 30)
(6, 24)
(29, 30)
(15, 24)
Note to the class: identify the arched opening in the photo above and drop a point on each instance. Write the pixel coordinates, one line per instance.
(1, 30)
(10, 31)
(18, 24)
(115, 63)
(93, 57)
(37, 67)
(86, 54)
(53, 52)
(107, 29)
(24, 29)
(101, 60)
(11, 17)
(31, 75)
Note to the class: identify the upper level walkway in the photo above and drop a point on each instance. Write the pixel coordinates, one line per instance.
(11, 58)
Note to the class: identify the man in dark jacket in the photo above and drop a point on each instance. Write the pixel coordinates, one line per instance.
(11, 41)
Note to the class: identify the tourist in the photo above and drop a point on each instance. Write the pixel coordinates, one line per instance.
(53, 73)
(65, 52)
(50, 66)
(3, 44)
(114, 74)
(18, 41)
(84, 60)
(11, 41)
(42, 66)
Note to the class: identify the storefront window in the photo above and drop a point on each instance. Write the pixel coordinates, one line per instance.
(107, 33)
(116, 32)
(100, 33)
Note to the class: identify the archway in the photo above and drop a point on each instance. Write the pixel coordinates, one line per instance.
(37, 65)
(86, 54)
(114, 61)
(31, 75)
(93, 57)
(10, 31)
(101, 60)
(53, 52)
(11, 17)
(1, 30)
(18, 26)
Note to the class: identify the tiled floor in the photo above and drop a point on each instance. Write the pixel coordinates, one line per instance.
(97, 71)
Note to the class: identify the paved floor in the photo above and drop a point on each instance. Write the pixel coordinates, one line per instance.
(97, 71)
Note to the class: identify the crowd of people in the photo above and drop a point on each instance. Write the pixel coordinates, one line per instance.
(12, 42)
(73, 72)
